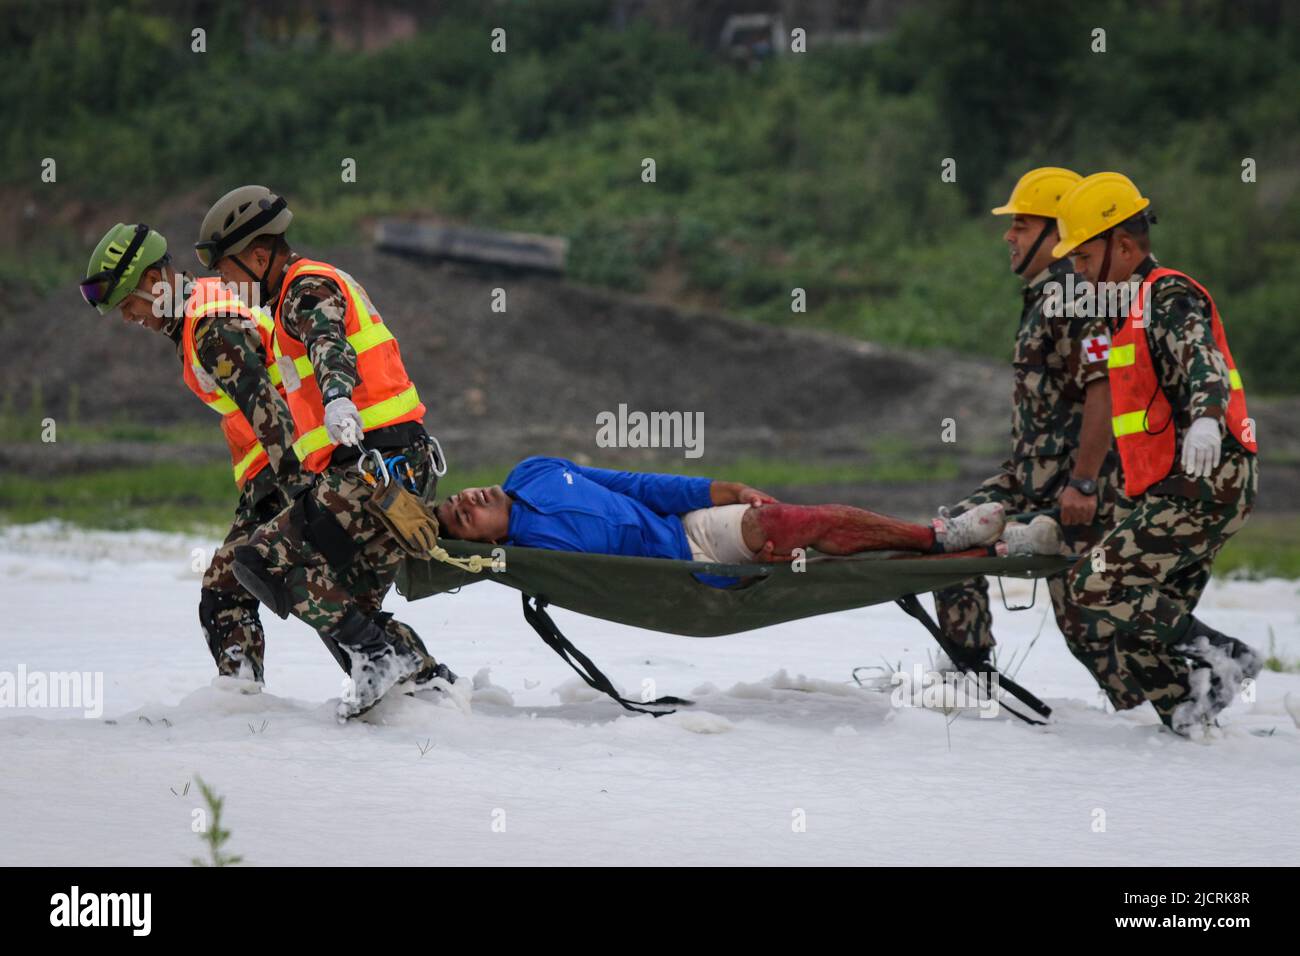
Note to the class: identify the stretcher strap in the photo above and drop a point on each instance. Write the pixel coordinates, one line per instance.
(583, 665)
(912, 606)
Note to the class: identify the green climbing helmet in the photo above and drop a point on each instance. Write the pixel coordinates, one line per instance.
(119, 262)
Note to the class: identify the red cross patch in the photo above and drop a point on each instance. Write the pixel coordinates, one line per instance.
(1096, 349)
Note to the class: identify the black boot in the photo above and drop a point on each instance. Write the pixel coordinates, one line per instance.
(233, 632)
(407, 640)
(1197, 710)
(1242, 653)
(1220, 665)
(376, 664)
(429, 672)
(1232, 661)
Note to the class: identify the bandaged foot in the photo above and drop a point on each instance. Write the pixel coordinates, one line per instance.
(976, 528)
(1040, 536)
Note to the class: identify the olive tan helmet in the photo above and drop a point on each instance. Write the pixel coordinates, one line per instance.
(237, 218)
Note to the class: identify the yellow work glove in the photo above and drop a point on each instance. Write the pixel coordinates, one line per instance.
(407, 517)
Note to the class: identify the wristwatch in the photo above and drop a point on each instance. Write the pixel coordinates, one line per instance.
(1085, 486)
(333, 392)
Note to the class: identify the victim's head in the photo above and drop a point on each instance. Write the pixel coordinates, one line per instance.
(476, 514)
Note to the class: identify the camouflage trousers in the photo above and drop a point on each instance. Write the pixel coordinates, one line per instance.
(321, 592)
(1033, 484)
(227, 613)
(1145, 578)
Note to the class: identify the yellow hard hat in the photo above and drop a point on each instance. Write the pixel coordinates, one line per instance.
(1038, 192)
(1096, 204)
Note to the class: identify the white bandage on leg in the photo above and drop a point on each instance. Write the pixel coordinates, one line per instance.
(715, 534)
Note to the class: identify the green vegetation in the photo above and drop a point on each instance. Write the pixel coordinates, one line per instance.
(1276, 662)
(888, 461)
(1266, 547)
(819, 171)
(214, 836)
(170, 497)
(30, 427)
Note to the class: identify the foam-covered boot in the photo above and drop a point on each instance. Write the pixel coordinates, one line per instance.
(1220, 665)
(375, 664)
(1195, 713)
(424, 677)
(1220, 650)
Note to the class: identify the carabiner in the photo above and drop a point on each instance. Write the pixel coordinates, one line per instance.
(400, 468)
(377, 466)
(437, 461)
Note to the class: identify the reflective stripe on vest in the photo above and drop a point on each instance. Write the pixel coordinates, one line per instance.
(244, 463)
(384, 394)
(376, 416)
(363, 341)
(1142, 417)
(248, 456)
(223, 404)
(1129, 423)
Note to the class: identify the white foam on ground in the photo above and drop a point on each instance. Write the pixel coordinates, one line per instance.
(779, 735)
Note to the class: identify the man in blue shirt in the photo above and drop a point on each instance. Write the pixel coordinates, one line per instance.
(556, 504)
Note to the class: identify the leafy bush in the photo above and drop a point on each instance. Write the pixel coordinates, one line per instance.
(818, 171)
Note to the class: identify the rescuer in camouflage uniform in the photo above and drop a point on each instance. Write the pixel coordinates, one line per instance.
(1147, 574)
(326, 559)
(1058, 381)
(230, 352)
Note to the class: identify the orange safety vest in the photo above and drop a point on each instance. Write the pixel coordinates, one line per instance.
(383, 395)
(208, 295)
(1141, 414)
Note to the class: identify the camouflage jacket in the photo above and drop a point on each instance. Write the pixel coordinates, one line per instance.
(1052, 369)
(231, 353)
(314, 312)
(1194, 376)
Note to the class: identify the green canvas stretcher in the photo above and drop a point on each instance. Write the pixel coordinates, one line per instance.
(663, 595)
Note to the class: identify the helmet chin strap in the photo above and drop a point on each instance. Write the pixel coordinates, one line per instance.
(166, 312)
(1033, 250)
(1105, 258)
(260, 281)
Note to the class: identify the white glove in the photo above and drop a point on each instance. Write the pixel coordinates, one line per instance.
(1202, 447)
(343, 422)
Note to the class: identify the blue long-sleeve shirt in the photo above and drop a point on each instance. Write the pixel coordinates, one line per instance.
(566, 507)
